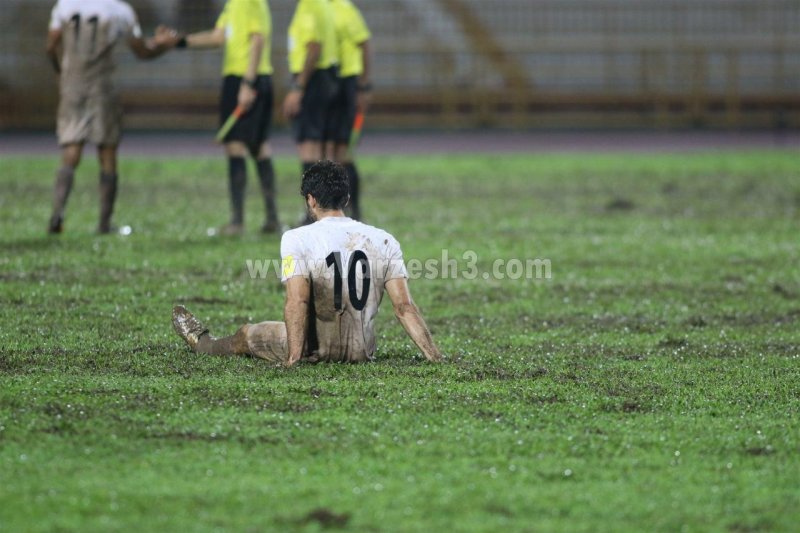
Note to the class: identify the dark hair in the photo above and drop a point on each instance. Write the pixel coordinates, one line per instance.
(327, 182)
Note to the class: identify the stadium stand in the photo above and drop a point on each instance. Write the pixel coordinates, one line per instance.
(478, 63)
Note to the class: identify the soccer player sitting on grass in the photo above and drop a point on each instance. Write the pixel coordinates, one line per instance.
(80, 44)
(336, 271)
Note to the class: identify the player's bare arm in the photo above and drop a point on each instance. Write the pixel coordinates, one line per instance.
(54, 49)
(164, 40)
(295, 314)
(364, 85)
(291, 105)
(409, 316)
(247, 90)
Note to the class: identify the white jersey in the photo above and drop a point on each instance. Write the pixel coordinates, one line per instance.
(90, 31)
(348, 263)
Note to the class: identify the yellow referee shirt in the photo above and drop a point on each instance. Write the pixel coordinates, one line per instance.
(351, 32)
(241, 19)
(312, 23)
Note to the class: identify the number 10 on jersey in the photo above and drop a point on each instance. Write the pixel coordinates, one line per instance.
(358, 258)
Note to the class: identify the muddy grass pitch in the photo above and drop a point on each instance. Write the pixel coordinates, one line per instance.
(651, 383)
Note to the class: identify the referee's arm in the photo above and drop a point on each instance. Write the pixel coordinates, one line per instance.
(313, 51)
(291, 105)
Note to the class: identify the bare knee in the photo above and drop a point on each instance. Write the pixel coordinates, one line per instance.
(240, 340)
(341, 153)
(310, 151)
(71, 155)
(264, 151)
(108, 159)
(236, 149)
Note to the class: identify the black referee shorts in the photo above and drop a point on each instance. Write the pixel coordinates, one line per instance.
(344, 110)
(313, 123)
(254, 127)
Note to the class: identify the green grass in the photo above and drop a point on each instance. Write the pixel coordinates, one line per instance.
(652, 384)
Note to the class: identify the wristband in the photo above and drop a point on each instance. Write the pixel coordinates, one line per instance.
(182, 43)
(365, 88)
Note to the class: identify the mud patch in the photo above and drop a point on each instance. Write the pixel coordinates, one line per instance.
(498, 509)
(760, 450)
(673, 342)
(783, 291)
(543, 400)
(326, 518)
(620, 204)
(697, 322)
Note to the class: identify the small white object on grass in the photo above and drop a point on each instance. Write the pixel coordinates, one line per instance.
(211, 232)
(125, 231)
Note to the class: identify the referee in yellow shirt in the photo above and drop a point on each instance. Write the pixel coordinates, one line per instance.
(312, 62)
(245, 29)
(353, 37)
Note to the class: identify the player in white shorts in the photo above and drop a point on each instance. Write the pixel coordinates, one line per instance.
(80, 44)
(335, 271)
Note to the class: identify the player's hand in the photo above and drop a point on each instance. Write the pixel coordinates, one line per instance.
(247, 96)
(292, 104)
(165, 36)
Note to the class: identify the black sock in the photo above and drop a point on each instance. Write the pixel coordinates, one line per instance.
(64, 179)
(237, 181)
(108, 195)
(352, 174)
(266, 174)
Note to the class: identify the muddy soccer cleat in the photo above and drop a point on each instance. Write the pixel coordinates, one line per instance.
(187, 326)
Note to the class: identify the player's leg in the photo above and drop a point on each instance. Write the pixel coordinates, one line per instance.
(73, 129)
(261, 151)
(105, 129)
(70, 159)
(266, 340)
(107, 155)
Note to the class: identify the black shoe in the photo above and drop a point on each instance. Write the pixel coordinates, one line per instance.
(271, 226)
(56, 225)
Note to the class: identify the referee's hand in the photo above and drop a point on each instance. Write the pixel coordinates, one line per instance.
(292, 104)
(247, 95)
